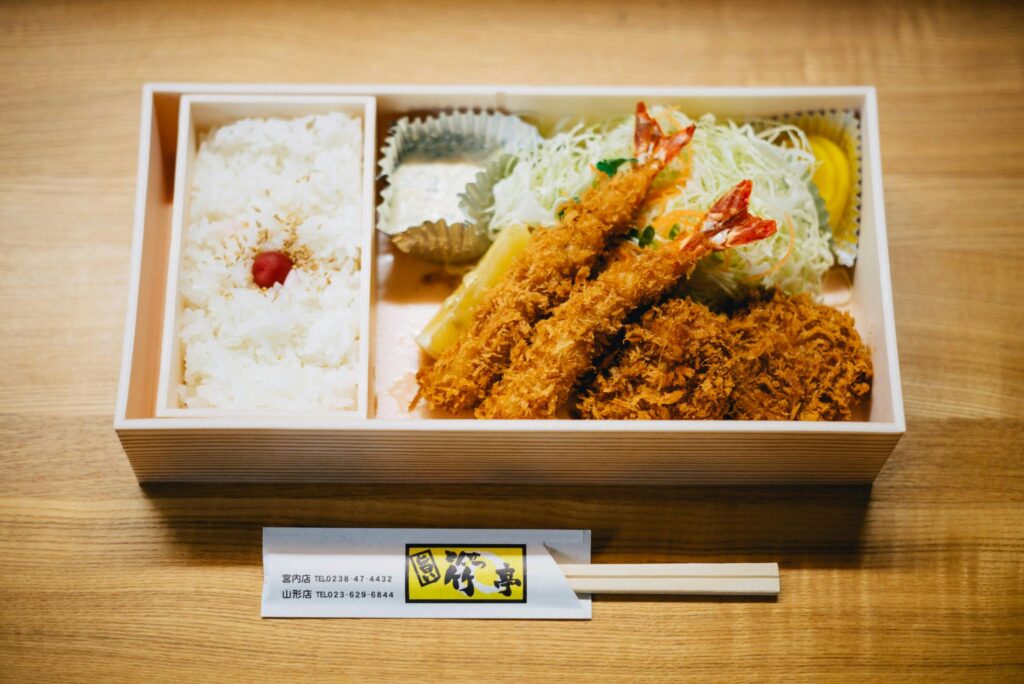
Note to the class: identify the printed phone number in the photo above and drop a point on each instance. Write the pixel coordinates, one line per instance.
(309, 594)
(344, 579)
(289, 578)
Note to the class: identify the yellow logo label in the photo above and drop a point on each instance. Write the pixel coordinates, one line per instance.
(437, 573)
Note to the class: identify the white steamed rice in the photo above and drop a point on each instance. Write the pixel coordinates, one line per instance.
(262, 185)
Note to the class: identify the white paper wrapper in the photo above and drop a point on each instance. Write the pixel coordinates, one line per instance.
(311, 572)
(492, 138)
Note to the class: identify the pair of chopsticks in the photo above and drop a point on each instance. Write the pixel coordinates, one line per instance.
(716, 579)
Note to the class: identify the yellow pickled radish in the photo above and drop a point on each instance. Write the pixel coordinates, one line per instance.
(832, 177)
(457, 311)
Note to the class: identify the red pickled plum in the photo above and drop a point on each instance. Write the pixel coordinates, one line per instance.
(270, 267)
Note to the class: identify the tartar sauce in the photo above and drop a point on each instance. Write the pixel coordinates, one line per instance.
(428, 189)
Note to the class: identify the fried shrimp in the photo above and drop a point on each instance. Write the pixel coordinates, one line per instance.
(798, 360)
(562, 347)
(544, 273)
(676, 363)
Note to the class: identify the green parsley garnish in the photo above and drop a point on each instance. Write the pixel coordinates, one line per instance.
(643, 237)
(673, 232)
(647, 236)
(610, 166)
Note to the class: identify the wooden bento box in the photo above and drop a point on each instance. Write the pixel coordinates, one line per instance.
(370, 444)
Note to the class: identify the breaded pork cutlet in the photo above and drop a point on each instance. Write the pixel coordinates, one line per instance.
(797, 360)
(675, 363)
(544, 273)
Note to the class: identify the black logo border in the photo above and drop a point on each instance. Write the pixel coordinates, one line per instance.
(408, 562)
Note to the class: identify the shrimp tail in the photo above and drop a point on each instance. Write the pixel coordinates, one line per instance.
(729, 222)
(750, 229)
(650, 142)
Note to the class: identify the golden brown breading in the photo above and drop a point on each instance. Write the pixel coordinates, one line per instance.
(562, 348)
(543, 275)
(539, 279)
(676, 363)
(798, 360)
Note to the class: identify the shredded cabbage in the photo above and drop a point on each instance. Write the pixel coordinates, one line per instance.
(720, 155)
(556, 170)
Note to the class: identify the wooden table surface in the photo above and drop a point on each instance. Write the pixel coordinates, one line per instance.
(920, 576)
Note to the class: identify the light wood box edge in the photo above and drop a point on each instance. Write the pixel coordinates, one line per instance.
(328, 448)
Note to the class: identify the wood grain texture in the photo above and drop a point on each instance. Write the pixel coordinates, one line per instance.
(921, 576)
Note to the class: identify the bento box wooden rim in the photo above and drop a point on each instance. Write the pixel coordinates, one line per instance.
(896, 426)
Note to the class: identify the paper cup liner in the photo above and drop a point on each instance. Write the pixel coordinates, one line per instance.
(442, 242)
(492, 137)
(843, 128)
(819, 207)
